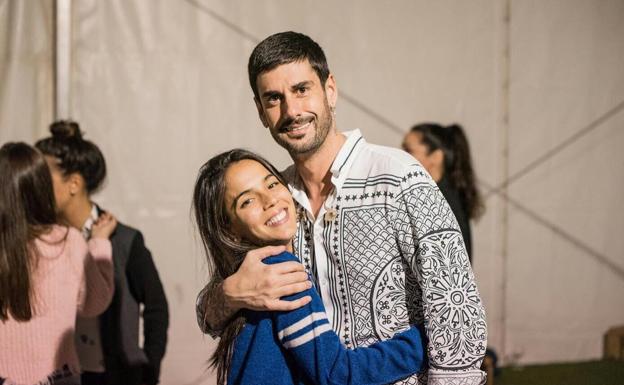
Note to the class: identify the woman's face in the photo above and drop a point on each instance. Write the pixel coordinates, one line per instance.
(260, 208)
(432, 161)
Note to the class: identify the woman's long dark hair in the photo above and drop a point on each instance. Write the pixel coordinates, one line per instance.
(26, 211)
(74, 154)
(224, 253)
(457, 161)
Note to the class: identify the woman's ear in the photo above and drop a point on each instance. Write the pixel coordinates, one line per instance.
(437, 158)
(76, 183)
(436, 164)
(234, 235)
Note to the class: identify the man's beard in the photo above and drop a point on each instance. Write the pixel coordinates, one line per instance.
(322, 126)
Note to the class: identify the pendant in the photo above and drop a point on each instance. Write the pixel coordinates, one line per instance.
(330, 215)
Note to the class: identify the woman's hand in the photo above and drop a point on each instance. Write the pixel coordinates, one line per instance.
(104, 226)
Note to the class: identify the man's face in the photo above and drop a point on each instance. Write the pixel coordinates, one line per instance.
(295, 107)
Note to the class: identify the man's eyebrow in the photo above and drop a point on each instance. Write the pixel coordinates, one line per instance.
(305, 83)
(269, 94)
(235, 201)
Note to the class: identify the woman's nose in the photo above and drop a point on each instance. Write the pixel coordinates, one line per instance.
(269, 201)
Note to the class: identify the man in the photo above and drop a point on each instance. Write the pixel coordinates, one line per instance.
(375, 232)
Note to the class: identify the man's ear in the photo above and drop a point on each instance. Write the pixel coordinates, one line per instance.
(331, 91)
(261, 112)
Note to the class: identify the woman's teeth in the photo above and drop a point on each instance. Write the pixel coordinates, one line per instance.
(277, 218)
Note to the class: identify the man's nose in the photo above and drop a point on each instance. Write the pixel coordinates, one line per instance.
(291, 107)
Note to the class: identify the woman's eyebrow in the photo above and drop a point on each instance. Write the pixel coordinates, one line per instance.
(269, 175)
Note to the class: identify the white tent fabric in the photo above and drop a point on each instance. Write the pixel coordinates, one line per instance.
(161, 86)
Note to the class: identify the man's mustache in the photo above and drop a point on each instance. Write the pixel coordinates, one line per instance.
(290, 123)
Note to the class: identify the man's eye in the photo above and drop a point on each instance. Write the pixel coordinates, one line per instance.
(273, 99)
(273, 184)
(302, 90)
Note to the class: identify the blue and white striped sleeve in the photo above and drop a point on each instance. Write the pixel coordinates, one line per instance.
(308, 337)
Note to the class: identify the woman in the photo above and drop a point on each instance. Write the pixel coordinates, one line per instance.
(108, 346)
(445, 154)
(241, 203)
(47, 275)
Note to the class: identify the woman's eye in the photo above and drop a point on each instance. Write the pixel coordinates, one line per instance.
(245, 203)
(273, 184)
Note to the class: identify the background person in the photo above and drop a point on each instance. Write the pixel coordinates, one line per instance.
(48, 274)
(108, 346)
(445, 153)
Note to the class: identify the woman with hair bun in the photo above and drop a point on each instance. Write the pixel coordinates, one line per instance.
(48, 274)
(445, 154)
(108, 345)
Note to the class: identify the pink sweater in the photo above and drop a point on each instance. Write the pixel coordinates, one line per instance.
(70, 278)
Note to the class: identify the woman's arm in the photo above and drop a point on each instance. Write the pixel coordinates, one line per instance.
(318, 352)
(96, 290)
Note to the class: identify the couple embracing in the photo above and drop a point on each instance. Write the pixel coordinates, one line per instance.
(348, 267)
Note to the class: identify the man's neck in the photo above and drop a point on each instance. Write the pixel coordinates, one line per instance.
(314, 170)
(78, 211)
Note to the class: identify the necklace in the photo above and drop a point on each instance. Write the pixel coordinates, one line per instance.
(330, 212)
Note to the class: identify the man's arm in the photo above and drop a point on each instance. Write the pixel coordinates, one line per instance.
(255, 286)
(453, 312)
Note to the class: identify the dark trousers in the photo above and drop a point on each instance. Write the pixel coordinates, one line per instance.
(93, 378)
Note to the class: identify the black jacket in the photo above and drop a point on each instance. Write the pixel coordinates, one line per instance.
(458, 207)
(136, 283)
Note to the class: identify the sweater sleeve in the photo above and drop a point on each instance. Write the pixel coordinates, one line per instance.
(147, 289)
(308, 337)
(97, 286)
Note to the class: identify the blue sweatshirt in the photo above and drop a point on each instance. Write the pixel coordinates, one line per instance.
(300, 347)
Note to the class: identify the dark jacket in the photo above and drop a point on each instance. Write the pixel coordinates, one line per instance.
(136, 283)
(458, 207)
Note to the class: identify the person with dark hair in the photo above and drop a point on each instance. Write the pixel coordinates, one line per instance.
(241, 202)
(445, 154)
(48, 274)
(108, 346)
(375, 233)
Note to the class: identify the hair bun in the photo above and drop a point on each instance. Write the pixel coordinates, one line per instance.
(65, 129)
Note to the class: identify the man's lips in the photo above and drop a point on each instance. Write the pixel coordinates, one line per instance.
(293, 126)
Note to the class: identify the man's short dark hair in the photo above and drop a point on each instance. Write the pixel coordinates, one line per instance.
(283, 48)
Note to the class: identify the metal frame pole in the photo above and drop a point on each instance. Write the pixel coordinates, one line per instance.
(62, 64)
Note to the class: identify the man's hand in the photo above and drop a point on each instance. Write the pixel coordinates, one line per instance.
(257, 286)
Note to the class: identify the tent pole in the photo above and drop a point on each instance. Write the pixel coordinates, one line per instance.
(62, 59)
